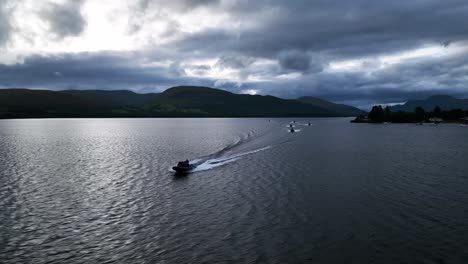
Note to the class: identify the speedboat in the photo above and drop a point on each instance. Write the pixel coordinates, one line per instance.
(184, 167)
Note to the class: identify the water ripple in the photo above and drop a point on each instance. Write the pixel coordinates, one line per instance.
(98, 191)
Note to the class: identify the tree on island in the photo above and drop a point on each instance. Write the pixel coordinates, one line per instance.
(437, 112)
(377, 114)
(420, 113)
(387, 111)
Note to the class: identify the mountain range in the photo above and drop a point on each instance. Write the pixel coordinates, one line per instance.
(181, 101)
(445, 103)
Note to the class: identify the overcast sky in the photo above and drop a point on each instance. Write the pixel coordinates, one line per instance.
(358, 52)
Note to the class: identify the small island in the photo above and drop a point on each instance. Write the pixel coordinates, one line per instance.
(378, 114)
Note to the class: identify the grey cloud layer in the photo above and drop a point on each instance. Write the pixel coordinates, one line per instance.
(5, 26)
(305, 35)
(64, 19)
(298, 61)
(301, 36)
(91, 71)
(339, 28)
(121, 71)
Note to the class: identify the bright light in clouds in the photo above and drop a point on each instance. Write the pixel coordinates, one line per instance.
(251, 73)
(108, 27)
(434, 51)
(105, 30)
(292, 75)
(347, 65)
(250, 91)
(379, 62)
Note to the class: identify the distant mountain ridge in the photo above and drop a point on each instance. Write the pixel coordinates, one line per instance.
(180, 101)
(445, 103)
(338, 108)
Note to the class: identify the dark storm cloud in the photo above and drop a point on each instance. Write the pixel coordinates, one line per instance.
(337, 28)
(92, 71)
(415, 79)
(294, 60)
(340, 30)
(64, 19)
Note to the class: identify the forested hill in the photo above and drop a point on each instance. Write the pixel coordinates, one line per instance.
(181, 101)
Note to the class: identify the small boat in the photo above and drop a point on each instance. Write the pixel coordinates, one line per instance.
(184, 167)
(292, 130)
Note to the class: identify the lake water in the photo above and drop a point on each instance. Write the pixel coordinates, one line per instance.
(101, 191)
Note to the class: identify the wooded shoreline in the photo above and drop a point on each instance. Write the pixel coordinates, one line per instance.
(419, 116)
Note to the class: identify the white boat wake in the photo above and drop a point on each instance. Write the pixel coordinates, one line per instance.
(217, 162)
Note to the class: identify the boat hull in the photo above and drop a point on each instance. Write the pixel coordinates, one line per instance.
(183, 169)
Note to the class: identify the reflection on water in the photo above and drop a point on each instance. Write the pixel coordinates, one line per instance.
(99, 190)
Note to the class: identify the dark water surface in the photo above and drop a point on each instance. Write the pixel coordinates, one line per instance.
(101, 191)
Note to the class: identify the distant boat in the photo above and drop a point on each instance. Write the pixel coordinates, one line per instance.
(464, 121)
(435, 120)
(184, 167)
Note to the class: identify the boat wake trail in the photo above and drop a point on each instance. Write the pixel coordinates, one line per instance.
(203, 165)
(249, 143)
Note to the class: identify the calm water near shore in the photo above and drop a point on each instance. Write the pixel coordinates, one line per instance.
(102, 191)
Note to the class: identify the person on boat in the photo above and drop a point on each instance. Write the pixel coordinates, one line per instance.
(185, 163)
